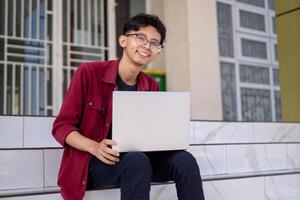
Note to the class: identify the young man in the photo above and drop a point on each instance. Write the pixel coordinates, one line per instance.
(83, 125)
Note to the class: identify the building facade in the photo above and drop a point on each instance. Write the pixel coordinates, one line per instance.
(223, 52)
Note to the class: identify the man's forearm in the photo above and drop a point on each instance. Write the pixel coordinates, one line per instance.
(80, 142)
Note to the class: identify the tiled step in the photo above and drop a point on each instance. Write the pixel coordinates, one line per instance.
(270, 187)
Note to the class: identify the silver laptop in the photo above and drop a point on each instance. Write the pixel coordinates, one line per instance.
(150, 121)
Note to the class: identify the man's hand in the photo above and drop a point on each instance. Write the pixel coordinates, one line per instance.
(105, 153)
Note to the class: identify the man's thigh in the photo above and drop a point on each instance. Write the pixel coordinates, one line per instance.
(164, 163)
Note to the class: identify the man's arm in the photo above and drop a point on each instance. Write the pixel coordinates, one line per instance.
(100, 150)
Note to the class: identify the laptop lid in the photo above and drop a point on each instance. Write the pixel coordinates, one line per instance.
(150, 121)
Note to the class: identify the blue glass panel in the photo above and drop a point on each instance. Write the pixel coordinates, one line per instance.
(42, 19)
(33, 91)
(26, 91)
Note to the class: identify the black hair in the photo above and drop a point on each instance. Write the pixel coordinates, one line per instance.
(143, 20)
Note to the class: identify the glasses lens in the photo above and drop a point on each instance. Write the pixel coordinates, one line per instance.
(141, 40)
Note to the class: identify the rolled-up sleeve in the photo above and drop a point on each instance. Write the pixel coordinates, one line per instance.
(70, 114)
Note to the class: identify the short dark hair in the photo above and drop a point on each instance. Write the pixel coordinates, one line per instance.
(143, 20)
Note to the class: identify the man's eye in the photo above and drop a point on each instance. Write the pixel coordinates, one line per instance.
(141, 38)
(154, 44)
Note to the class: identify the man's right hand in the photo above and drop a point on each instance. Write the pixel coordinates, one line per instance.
(104, 152)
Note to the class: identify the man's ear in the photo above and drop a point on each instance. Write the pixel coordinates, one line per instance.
(122, 41)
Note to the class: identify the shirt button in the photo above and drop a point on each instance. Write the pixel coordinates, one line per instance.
(83, 182)
(106, 124)
(90, 103)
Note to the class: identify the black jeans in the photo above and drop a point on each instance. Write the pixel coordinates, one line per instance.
(135, 171)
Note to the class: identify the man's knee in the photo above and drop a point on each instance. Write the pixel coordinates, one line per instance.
(185, 162)
(137, 160)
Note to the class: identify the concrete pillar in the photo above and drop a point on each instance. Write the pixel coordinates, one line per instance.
(191, 58)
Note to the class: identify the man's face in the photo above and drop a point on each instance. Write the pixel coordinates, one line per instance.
(142, 46)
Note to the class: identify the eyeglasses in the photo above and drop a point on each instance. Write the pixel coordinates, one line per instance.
(142, 40)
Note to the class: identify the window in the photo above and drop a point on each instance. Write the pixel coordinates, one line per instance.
(256, 105)
(259, 3)
(276, 77)
(254, 49)
(254, 74)
(252, 20)
(228, 91)
(225, 30)
(278, 114)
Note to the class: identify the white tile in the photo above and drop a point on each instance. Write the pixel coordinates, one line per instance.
(276, 132)
(192, 135)
(223, 132)
(11, 135)
(293, 156)
(211, 159)
(21, 169)
(111, 194)
(37, 197)
(52, 159)
(256, 157)
(163, 192)
(235, 189)
(285, 187)
(206, 132)
(37, 132)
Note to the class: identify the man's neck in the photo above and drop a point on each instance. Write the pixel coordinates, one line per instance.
(128, 71)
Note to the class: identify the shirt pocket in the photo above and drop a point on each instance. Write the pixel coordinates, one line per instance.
(94, 104)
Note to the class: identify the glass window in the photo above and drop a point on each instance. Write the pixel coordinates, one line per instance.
(42, 20)
(26, 18)
(33, 90)
(18, 19)
(41, 87)
(17, 106)
(271, 4)
(10, 18)
(228, 91)
(276, 77)
(256, 105)
(259, 3)
(2, 17)
(278, 114)
(252, 20)
(9, 87)
(2, 48)
(1, 88)
(275, 52)
(254, 74)
(34, 21)
(254, 49)
(225, 30)
(26, 93)
(274, 25)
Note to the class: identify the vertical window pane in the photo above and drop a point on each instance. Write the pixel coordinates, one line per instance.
(276, 77)
(41, 91)
(42, 20)
(49, 54)
(259, 3)
(10, 16)
(65, 20)
(2, 47)
(18, 90)
(49, 87)
(50, 5)
(1, 88)
(278, 114)
(274, 25)
(2, 17)
(9, 89)
(49, 27)
(252, 20)
(34, 19)
(86, 24)
(255, 49)
(225, 30)
(18, 19)
(256, 105)
(33, 90)
(71, 20)
(26, 92)
(93, 22)
(228, 91)
(254, 74)
(65, 55)
(26, 18)
(275, 52)
(78, 31)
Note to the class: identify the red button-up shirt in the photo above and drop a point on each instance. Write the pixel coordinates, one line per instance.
(87, 108)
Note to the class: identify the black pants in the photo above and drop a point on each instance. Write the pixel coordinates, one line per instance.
(135, 171)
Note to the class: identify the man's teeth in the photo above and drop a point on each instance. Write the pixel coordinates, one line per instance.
(143, 54)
